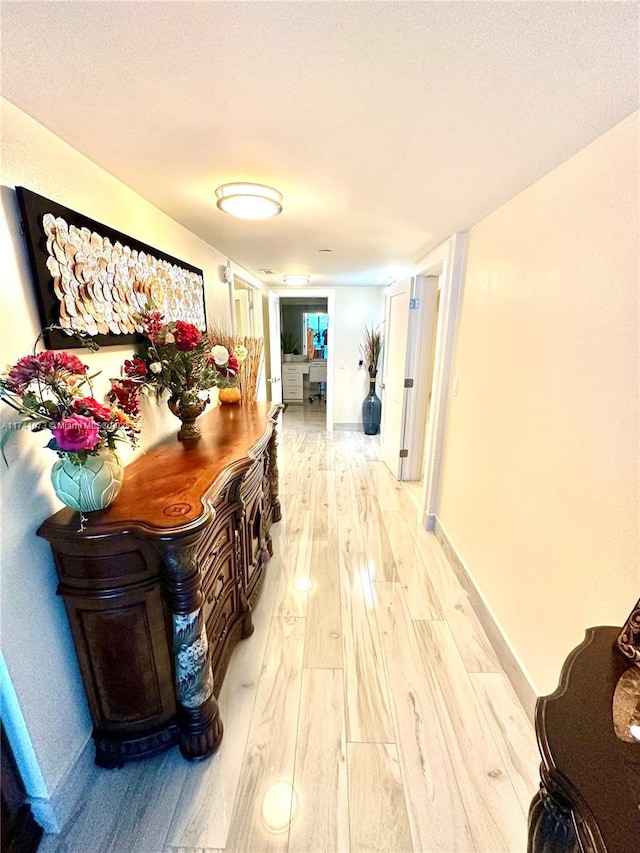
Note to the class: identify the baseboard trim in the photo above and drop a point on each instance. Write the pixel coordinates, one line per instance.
(346, 427)
(58, 809)
(509, 662)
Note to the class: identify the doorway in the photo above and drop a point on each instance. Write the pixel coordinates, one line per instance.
(426, 348)
(415, 477)
(293, 304)
(304, 324)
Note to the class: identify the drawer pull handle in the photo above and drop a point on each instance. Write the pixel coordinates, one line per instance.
(222, 633)
(213, 596)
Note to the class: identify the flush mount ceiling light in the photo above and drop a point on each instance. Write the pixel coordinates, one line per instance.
(296, 278)
(249, 201)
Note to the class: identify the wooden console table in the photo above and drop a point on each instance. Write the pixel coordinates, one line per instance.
(159, 586)
(589, 799)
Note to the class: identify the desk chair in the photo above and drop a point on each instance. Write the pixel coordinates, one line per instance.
(318, 374)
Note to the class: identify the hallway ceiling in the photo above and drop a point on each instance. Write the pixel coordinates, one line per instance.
(387, 126)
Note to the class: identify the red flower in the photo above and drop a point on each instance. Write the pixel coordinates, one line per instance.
(153, 323)
(135, 366)
(187, 336)
(47, 366)
(127, 395)
(77, 433)
(92, 408)
(61, 363)
(233, 365)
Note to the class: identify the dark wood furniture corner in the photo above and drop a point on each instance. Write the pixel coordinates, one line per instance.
(18, 829)
(159, 586)
(589, 798)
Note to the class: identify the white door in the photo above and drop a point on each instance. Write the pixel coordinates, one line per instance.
(275, 379)
(410, 324)
(423, 316)
(396, 327)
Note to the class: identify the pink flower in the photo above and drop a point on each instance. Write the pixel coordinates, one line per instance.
(23, 373)
(77, 433)
(187, 336)
(92, 408)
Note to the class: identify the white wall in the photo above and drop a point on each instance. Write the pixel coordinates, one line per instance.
(356, 307)
(36, 641)
(540, 483)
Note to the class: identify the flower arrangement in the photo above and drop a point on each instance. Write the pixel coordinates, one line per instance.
(248, 352)
(176, 357)
(52, 390)
(371, 349)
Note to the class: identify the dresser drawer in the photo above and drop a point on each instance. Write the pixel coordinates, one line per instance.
(219, 536)
(292, 388)
(252, 480)
(217, 582)
(219, 622)
(291, 381)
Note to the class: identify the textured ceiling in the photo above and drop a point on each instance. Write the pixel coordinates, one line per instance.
(387, 126)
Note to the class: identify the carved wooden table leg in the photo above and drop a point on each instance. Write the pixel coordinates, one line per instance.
(276, 511)
(551, 827)
(198, 714)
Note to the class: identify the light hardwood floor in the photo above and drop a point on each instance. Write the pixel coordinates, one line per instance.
(366, 713)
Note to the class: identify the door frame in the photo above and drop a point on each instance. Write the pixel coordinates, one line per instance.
(446, 260)
(330, 296)
(400, 290)
(419, 368)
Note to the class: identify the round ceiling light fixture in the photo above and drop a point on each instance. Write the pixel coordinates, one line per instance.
(296, 279)
(249, 201)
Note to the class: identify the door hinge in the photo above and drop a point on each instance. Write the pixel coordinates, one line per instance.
(404, 453)
(408, 383)
(414, 303)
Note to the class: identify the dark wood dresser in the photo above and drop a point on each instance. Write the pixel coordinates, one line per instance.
(589, 799)
(159, 586)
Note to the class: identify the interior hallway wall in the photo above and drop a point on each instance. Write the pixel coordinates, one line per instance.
(540, 482)
(36, 641)
(356, 307)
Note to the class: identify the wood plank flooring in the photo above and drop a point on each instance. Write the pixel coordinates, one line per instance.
(367, 712)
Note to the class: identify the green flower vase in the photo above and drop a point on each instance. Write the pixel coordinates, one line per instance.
(90, 485)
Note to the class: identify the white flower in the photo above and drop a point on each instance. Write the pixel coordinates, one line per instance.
(155, 367)
(241, 353)
(220, 355)
(169, 338)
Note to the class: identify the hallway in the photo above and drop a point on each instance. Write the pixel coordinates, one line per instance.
(367, 711)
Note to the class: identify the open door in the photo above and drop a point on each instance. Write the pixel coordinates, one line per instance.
(410, 324)
(397, 298)
(275, 378)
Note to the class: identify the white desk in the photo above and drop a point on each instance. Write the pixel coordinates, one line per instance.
(293, 373)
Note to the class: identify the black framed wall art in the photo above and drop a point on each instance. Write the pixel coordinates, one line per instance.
(93, 280)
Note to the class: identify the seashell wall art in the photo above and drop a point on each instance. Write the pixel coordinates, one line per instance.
(94, 280)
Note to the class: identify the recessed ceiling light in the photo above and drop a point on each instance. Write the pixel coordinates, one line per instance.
(324, 250)
(249, 201)
(296, 278)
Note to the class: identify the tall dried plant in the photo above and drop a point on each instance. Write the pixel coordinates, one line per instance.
(371, 348)
(250, 367)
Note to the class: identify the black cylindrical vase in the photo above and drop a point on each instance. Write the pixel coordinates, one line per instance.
(371, 410)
